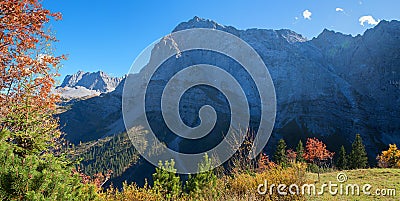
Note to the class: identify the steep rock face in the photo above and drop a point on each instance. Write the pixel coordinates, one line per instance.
(331, 87)
(93, 118)
(370, 65)
(97, 81)
(89, 106)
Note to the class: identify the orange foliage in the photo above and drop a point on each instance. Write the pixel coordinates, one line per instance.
(316, 150)
(264, 163)
(98, 179)
(27, 68)
(291, 155)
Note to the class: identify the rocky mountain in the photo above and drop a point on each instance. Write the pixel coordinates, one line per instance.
(331, 87)
(98, 81)
(86, 84)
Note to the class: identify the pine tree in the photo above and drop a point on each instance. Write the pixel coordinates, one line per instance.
(205, 180)
(300, 152)
(280, 153)
(341, 162)
(166, 183)
(358, 156)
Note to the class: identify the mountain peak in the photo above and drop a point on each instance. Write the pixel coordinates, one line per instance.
(291, 36)
(326, 33)
(98, 81)
(383, 25)
(197, 22)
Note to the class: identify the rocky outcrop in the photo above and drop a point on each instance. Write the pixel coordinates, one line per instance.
(332, 87)
(97, 81)
(85, 85)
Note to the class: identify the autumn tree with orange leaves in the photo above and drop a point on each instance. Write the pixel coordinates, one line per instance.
(30, 168)
(317, 153)
(27, 72)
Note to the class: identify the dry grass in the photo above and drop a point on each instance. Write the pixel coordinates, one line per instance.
(241, 186)
(378, 178)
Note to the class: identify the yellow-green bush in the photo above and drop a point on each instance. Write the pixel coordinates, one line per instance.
(390, 158)
(244, 186)
(131, 192)
(241, 186)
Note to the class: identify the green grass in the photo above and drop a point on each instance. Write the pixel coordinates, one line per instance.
(377, 178)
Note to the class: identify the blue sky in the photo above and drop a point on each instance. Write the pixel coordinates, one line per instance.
(108, 35)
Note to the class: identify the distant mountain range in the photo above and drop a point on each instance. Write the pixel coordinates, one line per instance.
(331, 87)
(86, 84)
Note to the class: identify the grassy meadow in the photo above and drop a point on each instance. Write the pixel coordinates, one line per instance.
(377, 178)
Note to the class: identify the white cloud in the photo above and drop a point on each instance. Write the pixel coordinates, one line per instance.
(296, 18)
(339, 9)
(368, 19)
(307, 14)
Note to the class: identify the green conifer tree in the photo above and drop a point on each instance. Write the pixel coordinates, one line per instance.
(280, 153)
(166, 183)
(358, 156)
(300, 152)
(341, 162)
(205, 180)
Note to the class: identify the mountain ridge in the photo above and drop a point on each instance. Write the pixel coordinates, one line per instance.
(83, 85)
(98, 81)
(331, 87)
